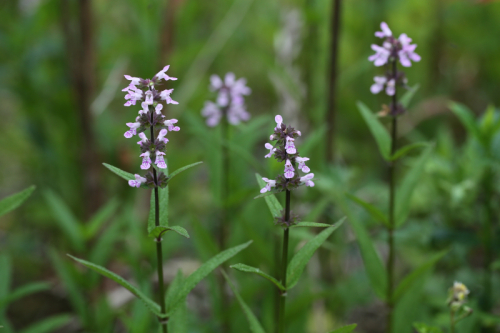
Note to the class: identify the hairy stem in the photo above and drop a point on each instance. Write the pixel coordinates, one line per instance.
(284, 265)
(392, 195)
(159, 252)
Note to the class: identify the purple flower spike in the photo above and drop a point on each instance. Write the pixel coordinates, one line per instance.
(161, 74)
(381, 57)
(137, 182)
(270, 183)
(289, 170)
(386, 32)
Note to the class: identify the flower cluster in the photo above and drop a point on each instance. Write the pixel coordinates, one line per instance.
(150, 117)
(229, 101)
(392, 50)
(457, 295)
(284, 150)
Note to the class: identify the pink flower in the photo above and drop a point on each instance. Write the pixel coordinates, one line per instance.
(133, 80)
(407, 51)
(302, 164)
(149, 97)
(381, 57)
(161, 135)
(161, 74)
(158, 108)
(307, 179)
(290, 146)
(170, 124)
(289, 170)
(279, 121)
(212, 112)
(133, 129)
(143, 137)
(380, 83)
(271, 150)
(160, 162)
(270, 183)
(165, 96)
(236, 114)
(386, 32)
(137, 182)
(146, 161)
(133, 95)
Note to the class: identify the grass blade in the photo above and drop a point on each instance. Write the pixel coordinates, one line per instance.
(15, 200)
(48, 325)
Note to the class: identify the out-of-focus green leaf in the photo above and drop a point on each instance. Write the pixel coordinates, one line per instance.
(271, 201)
(163, 199)
(417, 274)
(345, 329)
(184, 168)
(23, 291)
(375, 213)
(150, 304)
(177, 323)
(313, 140)
(466, 117)
(159, 231)
(101, 250)
(301, 258)
(13, 201)
(204, 242)
(406, 149)
(125, 175)
(424, 328)
(250, 269)
(254, 323)
(66, 220)
(410, 181)
(311, 225)
(201, 273)
(102, 215)
(408, 96)
(378, 131)
(5, 275)
(48, 325)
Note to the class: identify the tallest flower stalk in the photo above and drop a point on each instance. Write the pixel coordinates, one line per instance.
(392, 51)
(151, 120)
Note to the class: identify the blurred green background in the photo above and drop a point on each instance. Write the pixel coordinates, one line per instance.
(61, 71)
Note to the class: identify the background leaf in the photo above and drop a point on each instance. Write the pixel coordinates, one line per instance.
(378, 131)
(125, 175)
(271, 201)
(15, 200)
(250, 269)
(345, 329)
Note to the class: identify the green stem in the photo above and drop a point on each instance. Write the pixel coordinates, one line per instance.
(284, 265)
(392, 197)
(488, 231)
(159, 252)
(452, 321)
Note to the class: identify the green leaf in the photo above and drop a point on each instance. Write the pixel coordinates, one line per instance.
(408, 96)
(14, 200)
(345, 329)
(406, 149)
(424, 328)
(466, 117)
(125, 175)
(104, 245)
(23, 291)
(163, 198)
(102, 215)
(5, 275)
(150, 304)
(271, 201)
(311, 225)
(375, 213)
(378, 130)
(268, 193)
(48, 325)
(177, 323)
(417, 274)
(405, 191)
(184, 168)
(255, 325)
(157, 232)
(300, 260)
(201, 273)
(250, 269)
(66, 220)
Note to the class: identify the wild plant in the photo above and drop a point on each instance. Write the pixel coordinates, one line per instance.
(152, 121)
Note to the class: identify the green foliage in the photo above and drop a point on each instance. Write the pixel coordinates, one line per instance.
(408, 96)
(159, 231)
(15, 200)
(310, 225)
(378, 131)
(184, 168)
(406, 149)
(48, 325)
(375, 213)
(345, 329)
(125, 175)
(301, 258)
(271, 201)
(250, 269)
(424, 328)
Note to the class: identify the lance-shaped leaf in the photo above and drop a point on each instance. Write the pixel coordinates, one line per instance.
(13, 201)
(405, 191)
(417, 274)
(250, 269)
(311, 225)
(150, 304)
(254, 323)
(23, 291)
(5, 275)
(271, 201)
(184, 168)
(159, 231)
(177, 322)
(48, 325)
(163, 200)
(406, 149)
(374, 212)
(300, 260)
(378, 130)
(66, 220)
(345, 329)
(408, 96)
(198, 275)
(467, 119)
(125, 175)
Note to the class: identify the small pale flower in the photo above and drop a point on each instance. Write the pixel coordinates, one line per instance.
(137, 182)
(162, 134)
(212, 112)
(145, 108)
(307, 179)
(236, 114)
(215, 82)
(270, 183)
(381, 57)
(149, 97)
(391, 87)
(379, 84)
(133, 80)
(161, 74)
(386, 32)
(302, 164)
(146, 161)
(133, 95)
(170, 124)
(165, 96)
(279, 121)
(271, 150)
(143, 137)
(407, 51)
(133, 129)
(160, 162)
(289, 170)
(158, 108)
(290, 146)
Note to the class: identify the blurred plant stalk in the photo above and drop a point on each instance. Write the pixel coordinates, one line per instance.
(284, 266)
